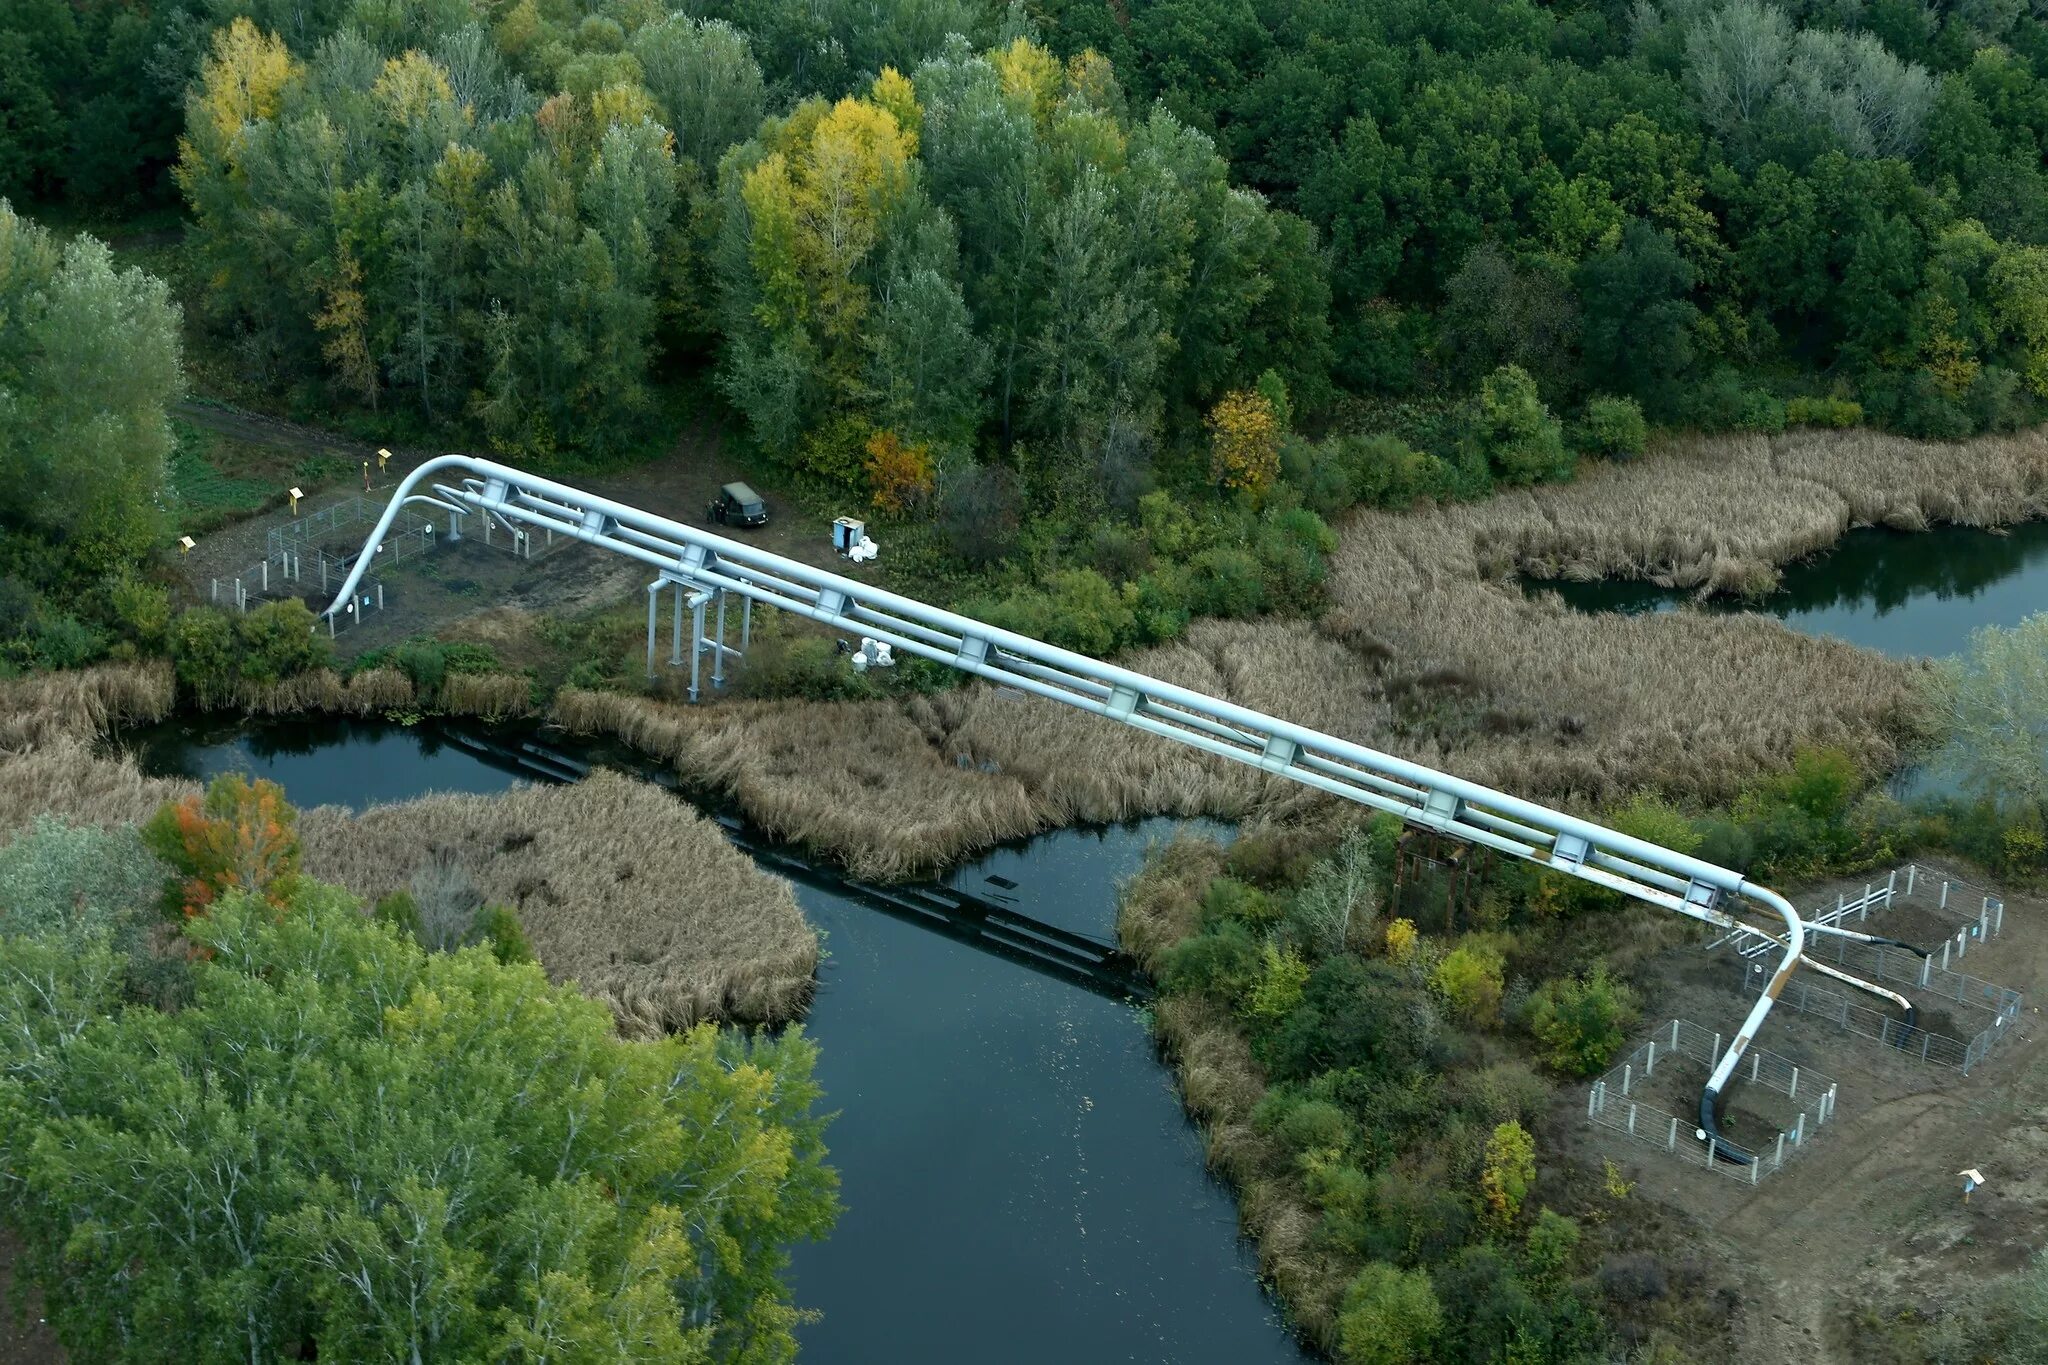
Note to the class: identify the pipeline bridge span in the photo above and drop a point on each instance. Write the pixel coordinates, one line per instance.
(701, 570)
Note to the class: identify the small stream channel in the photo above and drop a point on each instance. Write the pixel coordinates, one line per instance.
(1902, 593)
(1020, 1182)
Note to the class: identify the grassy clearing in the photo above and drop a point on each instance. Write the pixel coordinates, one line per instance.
(621, 888)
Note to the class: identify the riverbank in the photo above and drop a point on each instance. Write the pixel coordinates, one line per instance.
(621, 888)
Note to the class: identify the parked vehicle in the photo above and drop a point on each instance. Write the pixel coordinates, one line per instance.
(737, 505)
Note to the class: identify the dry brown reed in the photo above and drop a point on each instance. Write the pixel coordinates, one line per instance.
(65, 778)
(83, 704)
(488, 696)
(621, 888)
(368, 693)
(1427, 652)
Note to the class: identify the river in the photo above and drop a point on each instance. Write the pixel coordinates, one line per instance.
(1901, 593)
(1020, 1182)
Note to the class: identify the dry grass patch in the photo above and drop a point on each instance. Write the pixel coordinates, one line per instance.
(621, 888)
(84, 704)
(65, 778)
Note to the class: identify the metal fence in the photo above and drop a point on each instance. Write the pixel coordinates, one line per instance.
(1928, 888)
(1875, 961)
(1613, 1102)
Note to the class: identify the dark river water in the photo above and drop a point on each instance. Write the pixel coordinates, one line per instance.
(1020, 1182)
(1900, 593)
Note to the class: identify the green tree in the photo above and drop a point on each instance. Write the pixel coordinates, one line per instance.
(88, 362)
(371, 1183)
(1995, 701)
(1470, 980)
(1638, 317)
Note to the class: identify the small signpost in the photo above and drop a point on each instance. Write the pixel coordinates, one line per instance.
(295, 496)
(185, 544)
(1972, 1180)
(383, 459)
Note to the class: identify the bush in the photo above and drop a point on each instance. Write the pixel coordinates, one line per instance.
(1390, 1317)
(500, 928)
(1552, 1242)
(1822, 412)
(1470, 981)
(62, 641)
(1226, 582)
(79, 883)
(1581, 1023)
(204, 654)
(1510, 427)
(141, 610)
(1223, 964)
(1614, 427)
(808, 666)
(1306, 1125)
(1282, 974)
(278, 641)
(1291, 546)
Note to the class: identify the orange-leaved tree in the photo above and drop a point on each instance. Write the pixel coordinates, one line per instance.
(241, 836)
(899, 473)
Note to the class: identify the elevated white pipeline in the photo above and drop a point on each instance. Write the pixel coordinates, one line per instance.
(1419, 795)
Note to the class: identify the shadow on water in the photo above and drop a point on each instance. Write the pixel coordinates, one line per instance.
(1901, 593)
(1020, 1181)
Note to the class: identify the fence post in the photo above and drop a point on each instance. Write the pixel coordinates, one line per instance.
(1671, 1142)
(1926, 966)
(1962, 942)
(1828, 1110)
(380, 594)
(1799, 1130)
(1884, 1030)
(266, 575)
(1998, 917)
(1891, 883)
(1945, 946)
(1631, 1120)
(1925, 1039)
(1592, 1098)
(1755, 1060)
(1628, 1074)
(1911, 870)
(1781, 1147)
(1755, 1173)
(1984, 919)
(216, 590)
(1944, 893)
(1716, 1060)
(1792, 1090)
(1650, 1062)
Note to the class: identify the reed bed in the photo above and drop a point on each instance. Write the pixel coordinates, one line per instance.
(369, 693)
(65, 778)
(82, 704)
(620, 887)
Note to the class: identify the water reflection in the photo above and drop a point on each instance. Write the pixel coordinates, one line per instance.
(1900, 593)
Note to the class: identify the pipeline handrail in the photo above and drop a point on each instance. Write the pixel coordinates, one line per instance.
(1417, 794)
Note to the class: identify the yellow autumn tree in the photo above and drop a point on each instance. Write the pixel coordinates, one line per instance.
(344, 323)
(893, 91)
(900, 473)
(243, 79)
(1401, 939)
(1244, 441)
(1028, 70)
(1509, 1171)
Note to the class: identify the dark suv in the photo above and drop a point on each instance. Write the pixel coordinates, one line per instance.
(737, 505)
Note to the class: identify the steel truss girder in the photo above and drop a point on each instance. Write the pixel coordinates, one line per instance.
(1419, 795)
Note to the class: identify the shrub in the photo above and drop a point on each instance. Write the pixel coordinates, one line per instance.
(1282, 974)
(1223, 963)
(1552, 1242)
(1509, 1171)
(1520, 440)
(1390, 1317)
(203, 652)
(1581, 1022)
(1291, 546)
(500, 928)
(1634, 1278)
(63, 641)
(1470, 981)
(141, 610)
(1306, 1125)
(899, 473)
(1401, 940)
(1614, 427)
(1226, 582)
(1807, 411)
(278, 641)
(808, 666)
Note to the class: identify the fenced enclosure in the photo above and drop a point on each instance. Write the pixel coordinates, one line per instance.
(1629, 1100)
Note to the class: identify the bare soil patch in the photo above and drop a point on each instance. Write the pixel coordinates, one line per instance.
(1871, 1214)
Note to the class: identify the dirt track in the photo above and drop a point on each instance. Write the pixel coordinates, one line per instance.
(1870, 1218)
